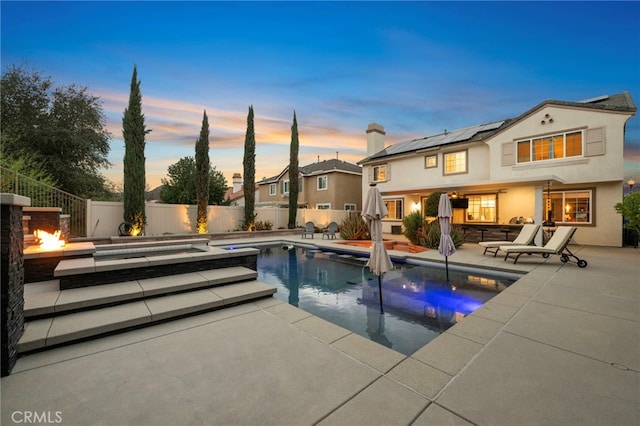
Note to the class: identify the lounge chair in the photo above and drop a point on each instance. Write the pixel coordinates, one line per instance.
(330, 231)
(558, 244)
(524, 238)
(309, 229)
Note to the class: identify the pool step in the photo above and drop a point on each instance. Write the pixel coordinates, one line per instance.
(45, 299)
(60, 317)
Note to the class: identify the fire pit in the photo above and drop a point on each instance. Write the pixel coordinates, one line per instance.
(41, 259)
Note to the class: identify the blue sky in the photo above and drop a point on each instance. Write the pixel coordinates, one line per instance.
(417, 68)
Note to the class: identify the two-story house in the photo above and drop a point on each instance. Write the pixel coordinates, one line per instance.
(328, 184)
(559, 162)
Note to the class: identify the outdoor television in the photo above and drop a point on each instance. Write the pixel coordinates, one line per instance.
(459, 203)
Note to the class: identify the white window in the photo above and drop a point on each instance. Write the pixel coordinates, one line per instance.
(272, 189)
(395, 207)
(550, 147)
(572, 206)
(323, 206)
(482, 208)
(430, 161)
(379, 173)
(285, 187)
(323, 182)
(455, 162)
(350, 206)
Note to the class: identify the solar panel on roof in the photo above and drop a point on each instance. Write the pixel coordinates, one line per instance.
(458, 135)
(596, 99)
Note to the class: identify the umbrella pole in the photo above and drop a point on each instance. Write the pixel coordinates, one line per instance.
(380, 293)
(446, 265)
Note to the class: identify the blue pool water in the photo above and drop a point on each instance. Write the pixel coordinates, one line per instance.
(418, 302)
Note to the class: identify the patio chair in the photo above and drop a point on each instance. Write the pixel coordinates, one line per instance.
(524, 238)
(558, 244)
(309, 229)
(330, 231)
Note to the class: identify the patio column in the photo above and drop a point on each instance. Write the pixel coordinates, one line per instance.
(11, 278)
(538, 216)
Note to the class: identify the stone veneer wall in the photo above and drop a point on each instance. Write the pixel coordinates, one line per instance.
(12, 283)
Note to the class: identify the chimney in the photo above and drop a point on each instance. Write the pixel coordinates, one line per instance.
(375, 138)
(237, 182)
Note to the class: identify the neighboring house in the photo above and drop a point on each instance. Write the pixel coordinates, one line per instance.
(235, 194)
(329, 184)
(153, 196)
(561, 157)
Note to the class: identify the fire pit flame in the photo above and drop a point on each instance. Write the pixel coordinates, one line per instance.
(48, 241)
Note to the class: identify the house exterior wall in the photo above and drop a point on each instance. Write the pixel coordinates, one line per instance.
(597, 168)
(341, 188)
(409, 172)
(521, 189)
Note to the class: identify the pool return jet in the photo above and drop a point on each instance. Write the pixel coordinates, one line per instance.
(373, 211)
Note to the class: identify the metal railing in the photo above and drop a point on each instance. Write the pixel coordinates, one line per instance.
(43, 195)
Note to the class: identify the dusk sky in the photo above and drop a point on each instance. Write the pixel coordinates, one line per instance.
(416, 68)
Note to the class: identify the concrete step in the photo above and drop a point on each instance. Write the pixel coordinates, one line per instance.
(66, 328)
(45, 299)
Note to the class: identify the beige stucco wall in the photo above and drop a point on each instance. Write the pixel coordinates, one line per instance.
(408, 172)
(601, 168)
(341, 188)
(518, 195)
(608, 223)
(516, 202)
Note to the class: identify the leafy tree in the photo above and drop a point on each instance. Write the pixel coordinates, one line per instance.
(293, 173)
(24, 164)
(134, 131)
(630, 210)
(431, 204)
(180, 186)
(249, 166)
(202, 175)
(61, 130)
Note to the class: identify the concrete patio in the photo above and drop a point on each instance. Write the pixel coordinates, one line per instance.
(561, 346)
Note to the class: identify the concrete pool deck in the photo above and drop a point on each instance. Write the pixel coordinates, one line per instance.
(559, 347)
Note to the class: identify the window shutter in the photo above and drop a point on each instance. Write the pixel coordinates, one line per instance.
(594, 142)
(508, 159)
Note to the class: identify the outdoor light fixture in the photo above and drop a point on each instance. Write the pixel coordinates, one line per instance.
(631, 182)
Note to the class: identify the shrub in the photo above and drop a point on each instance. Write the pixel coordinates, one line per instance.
(630, 210)
(354, 227)
(430, 235)
(263, 226)
(413, 224)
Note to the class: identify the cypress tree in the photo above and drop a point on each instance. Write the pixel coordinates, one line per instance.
(293, 174)
(202, 175)
(249, 165)
(134, 131)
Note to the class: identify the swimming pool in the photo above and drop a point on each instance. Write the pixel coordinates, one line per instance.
(418, 302)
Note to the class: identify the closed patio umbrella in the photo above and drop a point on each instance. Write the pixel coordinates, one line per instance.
(446, 246)
(373, 211)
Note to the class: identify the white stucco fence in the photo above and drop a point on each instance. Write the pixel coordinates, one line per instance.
(104, 217)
